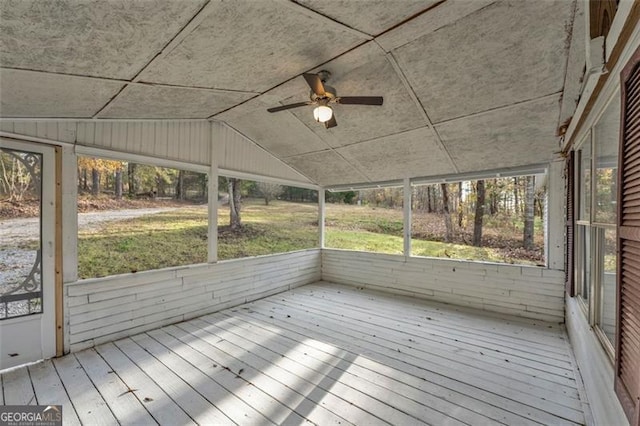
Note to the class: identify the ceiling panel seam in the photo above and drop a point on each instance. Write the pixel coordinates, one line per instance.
(134, 83)
(170, 45)
(421, 109)
(315, 14)
(501, 108)
(193, 23)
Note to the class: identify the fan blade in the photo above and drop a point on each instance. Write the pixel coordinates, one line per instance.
(315, 83)
(360, 100)
(331, 123)
(285, 107)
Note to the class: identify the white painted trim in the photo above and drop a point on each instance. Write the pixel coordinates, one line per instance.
(622, 13)
(321, 217)
(406, 223)
(140, 158)
(69, 215)
(555, 217)
(47, 319)
(609, 89)
(533, 169)
(251, 176)
(34, 139)
(212, 240)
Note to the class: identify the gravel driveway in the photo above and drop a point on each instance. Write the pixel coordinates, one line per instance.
(16, 231)
(16, 263)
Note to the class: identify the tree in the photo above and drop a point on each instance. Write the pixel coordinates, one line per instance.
(95, 182)
(180, 186)
(447, 214)
(235, 197)
(269, 191)
(477, 222)
(529, 212)
(131, 176)
(118, 183)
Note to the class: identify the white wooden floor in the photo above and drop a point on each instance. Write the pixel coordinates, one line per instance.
(322, 354)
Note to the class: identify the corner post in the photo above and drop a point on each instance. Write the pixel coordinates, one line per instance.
(321, 216)
(406, 206)
(212, 240)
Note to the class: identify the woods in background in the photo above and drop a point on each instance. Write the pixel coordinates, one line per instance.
(466, 205)
(98, 176)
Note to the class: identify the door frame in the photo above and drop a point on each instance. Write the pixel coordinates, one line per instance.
(50, 328)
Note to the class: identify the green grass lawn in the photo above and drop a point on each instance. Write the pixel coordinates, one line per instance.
(179, 237)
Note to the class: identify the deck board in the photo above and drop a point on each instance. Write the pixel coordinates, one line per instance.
(320, 354)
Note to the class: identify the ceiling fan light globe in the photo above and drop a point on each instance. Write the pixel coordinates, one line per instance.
(322, 113)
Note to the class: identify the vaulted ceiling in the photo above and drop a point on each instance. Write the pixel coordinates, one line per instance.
(468, 85)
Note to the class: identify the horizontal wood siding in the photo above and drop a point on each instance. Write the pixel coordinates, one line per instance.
(102, 310)
(530, 292)
(239, 153)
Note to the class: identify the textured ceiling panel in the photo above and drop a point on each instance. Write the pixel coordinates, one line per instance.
(251, 46)
(326, 168)
(374, 17)
(139, 101)
(410, 154)
(509, 137)
(35, 94)
(280, 133)
(506, 53)
(114, 38)
(444, 14)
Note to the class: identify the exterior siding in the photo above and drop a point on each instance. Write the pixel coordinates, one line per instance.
(524, 291)
(106, 309)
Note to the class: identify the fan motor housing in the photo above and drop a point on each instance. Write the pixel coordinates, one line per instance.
(329, 95)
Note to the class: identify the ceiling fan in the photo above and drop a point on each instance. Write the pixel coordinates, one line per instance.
(322, 95)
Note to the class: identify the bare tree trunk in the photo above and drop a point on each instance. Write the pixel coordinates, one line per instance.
(95, 182)
(477, 221)
(529, 212)
(447, 214)
(131, 177)
(459, 206)
(234, 204)
(180, 186)
(516, 186)
(85, 185)
(118, 189)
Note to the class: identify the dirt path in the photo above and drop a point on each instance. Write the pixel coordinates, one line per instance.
(15, 231)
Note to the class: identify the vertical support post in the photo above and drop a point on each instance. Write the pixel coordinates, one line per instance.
(321, 216)
(555, 217)
(59, 301)
(69, 205)
(406, 193)
(69, 188)
(214, 138)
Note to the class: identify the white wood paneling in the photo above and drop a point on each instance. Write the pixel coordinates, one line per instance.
(238, 153)
(186, 141)
(530, 292)
(177, 140)
(105, 309)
